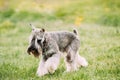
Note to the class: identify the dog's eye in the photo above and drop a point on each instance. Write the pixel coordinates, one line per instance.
(39, 40)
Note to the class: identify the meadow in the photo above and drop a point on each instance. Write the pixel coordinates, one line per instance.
(98, 25)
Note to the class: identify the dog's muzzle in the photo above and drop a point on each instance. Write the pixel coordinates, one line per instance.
(33, 50)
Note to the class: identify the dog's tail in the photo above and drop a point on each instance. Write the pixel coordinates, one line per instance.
(75, 31)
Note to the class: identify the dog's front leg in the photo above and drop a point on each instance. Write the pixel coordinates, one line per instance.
(42, 70)
(52, 63)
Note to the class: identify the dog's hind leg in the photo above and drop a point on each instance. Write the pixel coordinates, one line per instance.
(73, 59)
(70, 60)
(81, 61)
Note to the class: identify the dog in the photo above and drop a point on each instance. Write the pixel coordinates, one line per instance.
(51, 45)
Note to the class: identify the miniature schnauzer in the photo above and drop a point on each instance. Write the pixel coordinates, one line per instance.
(51, 45)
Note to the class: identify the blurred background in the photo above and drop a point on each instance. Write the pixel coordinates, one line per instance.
(98, 24)
(104, 12)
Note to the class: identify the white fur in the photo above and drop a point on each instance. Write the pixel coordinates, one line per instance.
(52, 63)
(81, 61)
(76, 63)
(48, 66)
(71, 66)
(42, 70)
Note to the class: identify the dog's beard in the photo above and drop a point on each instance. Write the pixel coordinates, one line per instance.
(33, 48)
(35, 53)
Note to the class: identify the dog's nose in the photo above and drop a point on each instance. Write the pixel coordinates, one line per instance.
(30, 49)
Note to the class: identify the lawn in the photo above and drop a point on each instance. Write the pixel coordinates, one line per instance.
(99, 33)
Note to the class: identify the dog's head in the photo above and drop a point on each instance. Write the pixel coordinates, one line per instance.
(35, 41)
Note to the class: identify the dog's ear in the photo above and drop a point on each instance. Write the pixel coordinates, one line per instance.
(32, 26)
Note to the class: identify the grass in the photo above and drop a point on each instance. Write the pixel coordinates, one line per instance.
(98, 24)
(99, 45)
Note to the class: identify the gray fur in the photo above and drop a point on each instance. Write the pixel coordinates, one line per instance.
(51, 43)
(62, 41)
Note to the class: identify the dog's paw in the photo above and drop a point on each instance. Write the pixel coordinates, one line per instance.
(84, 63)
(42, 72)
(51, 70)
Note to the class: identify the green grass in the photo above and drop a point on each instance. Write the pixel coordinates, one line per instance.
(99, 45)
(99, 32)
(103, 12)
